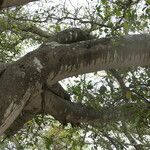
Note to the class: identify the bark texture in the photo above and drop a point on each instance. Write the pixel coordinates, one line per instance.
(11, 3)
(24, 82)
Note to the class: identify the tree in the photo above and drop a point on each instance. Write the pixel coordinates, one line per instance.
(29, 85)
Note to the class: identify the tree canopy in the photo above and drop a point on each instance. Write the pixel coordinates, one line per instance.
(75, 75)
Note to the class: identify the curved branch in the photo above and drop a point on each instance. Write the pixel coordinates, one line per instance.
(11, 3)
(69, 112)
(34, 107)
(66, 111)
(53, 62)
(95, 55)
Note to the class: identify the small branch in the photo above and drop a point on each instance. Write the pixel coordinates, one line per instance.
(35, 30)
(130, 138)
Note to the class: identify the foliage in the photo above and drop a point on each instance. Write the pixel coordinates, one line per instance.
(105, 88)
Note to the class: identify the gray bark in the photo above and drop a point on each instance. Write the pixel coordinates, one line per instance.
(11, 3)
(22, 81)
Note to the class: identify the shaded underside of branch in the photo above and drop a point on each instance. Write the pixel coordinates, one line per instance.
(66, 111)
(75, 113)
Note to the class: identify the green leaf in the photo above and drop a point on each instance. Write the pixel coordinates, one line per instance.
(128, 94)
(57, 28)
(126, 27)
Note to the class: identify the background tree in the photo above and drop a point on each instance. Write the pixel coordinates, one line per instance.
(115, 93)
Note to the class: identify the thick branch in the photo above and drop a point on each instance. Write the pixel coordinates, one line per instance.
(34, 107)
(66, 111)
(11, 3)
(3, 66)
(55, 61)
(95, 55)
